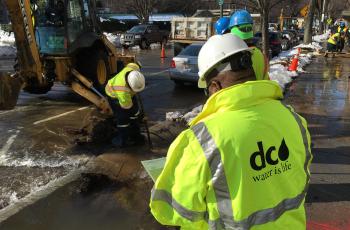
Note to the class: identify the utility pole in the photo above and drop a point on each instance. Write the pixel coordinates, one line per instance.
(322, 27)
(281, 20)
(309, 22)
(221, 4)
(221, 10)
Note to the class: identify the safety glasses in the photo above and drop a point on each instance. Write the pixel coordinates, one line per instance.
(245, 28)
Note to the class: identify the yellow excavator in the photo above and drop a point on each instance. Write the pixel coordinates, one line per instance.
(59, 40)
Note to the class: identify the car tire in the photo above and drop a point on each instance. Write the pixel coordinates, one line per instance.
(144, 45)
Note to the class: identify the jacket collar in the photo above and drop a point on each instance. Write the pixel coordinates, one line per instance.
(239, 97)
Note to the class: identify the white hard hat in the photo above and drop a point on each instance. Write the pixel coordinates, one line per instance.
(134, 65)
(136, 81)
(216, 49)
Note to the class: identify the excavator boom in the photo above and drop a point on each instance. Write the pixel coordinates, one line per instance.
(28, 56)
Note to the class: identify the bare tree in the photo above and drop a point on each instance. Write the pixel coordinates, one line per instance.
(335, 8)
(142, 8)
(309, 22)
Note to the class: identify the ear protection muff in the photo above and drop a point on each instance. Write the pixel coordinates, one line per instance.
(240, 61)
(236, 62)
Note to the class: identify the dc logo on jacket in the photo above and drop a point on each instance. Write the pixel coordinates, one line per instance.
(261, 160)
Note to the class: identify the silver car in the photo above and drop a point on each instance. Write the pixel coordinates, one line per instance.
(184, 67)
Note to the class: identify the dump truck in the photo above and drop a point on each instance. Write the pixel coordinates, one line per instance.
(59, 41)
(187, 30)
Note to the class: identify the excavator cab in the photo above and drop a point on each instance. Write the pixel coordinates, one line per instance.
(60, 23)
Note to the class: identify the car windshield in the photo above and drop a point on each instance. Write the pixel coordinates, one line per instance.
(192, 50)
(138, 29)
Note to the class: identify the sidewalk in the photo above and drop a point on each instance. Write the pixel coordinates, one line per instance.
(322, 97)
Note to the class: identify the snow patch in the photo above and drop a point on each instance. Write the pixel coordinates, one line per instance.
(322, 37)
(114, 38)
(30, 160)
(315, 46)
(7, 44)
(6, 38)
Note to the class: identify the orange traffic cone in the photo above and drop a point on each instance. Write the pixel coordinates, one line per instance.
(294, 64)
(162, 53)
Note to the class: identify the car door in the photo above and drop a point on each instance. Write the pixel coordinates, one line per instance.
(148, 35)
(156, 34)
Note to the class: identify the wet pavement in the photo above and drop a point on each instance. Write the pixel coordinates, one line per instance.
(37, 152)
(322, 97)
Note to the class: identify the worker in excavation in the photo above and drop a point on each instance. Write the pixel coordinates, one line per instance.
(244, 161)
(122, 90)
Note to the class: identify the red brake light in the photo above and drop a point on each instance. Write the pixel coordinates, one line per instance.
(172, 64)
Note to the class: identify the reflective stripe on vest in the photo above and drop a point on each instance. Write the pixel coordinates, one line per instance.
(222, 193)
(117, 88)
(165, 196)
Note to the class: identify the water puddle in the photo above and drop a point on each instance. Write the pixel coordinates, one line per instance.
(90, 202)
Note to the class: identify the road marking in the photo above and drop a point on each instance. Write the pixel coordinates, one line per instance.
(60, 115)
(8, 144)
(157, 73)
(43, 192)
(23, 108)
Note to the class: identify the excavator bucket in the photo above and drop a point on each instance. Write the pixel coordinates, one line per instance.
(10, 87)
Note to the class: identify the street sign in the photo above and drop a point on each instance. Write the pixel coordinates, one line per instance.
(220, 2)
(304, 11)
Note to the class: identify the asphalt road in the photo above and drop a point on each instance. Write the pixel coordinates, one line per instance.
(322, 97)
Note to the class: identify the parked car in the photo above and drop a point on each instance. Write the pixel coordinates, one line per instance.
(184, 67)
(289, 39)
(301, 34)
(295, 37)
(273, 26)
(143, 35)
(286, 40)
(275, 42)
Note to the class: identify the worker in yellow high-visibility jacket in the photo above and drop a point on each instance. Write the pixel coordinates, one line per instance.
(244, 161)
(241, 25)
(332, 43)
(121, 90)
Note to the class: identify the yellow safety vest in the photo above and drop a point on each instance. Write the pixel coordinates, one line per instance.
(243, 164)
(345, 29)
(117, 88)
(333, 38)
(260, 64)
